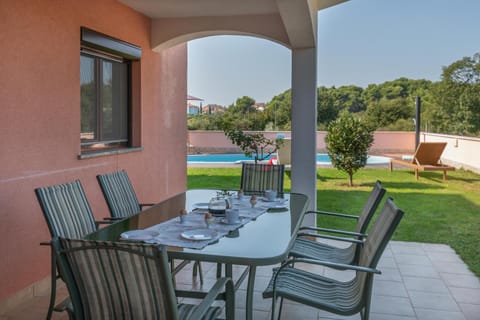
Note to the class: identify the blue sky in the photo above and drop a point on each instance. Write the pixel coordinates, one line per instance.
(359, 42)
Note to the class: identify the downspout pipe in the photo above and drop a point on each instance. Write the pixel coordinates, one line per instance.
(417, 121)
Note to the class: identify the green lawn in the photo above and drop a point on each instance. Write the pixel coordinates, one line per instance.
(435, 211)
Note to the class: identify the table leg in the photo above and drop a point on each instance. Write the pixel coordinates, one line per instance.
(250, 286)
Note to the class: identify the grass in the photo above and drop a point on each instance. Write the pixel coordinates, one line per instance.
(435, 211)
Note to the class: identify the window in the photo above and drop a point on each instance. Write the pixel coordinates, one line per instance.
(105, 92)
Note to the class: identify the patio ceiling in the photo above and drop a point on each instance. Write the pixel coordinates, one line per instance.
(291, 23)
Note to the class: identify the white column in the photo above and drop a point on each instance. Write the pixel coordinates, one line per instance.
(304, 126)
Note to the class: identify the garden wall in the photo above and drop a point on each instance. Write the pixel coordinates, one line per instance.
(384, 142)
(461, 152)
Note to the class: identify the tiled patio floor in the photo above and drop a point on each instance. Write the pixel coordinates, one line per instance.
(418, 281)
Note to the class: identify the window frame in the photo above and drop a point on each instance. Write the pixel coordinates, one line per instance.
(102, 48)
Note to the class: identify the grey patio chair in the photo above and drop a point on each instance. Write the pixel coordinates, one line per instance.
(256, 178)
(306, 247)
(68, 214)
(115, 280)
(122, 202)
(339, 297)
(118, 191)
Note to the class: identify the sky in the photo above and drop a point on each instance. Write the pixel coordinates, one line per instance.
(360, 42)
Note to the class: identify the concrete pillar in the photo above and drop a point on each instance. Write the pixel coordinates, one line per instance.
(304, 125)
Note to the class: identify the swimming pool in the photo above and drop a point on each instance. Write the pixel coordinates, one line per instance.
(230, 158)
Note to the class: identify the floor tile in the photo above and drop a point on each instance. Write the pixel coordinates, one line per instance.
(389, 288)
(470, 311)
(425, 284)
(444, 257)
(434, 301)
(414, 259)
(466, 295)
(436, 247)
(418, 271)
(392, 274)
(461, 280)
(452, 267)
(387, 262)
(392, 306)
(428, 314)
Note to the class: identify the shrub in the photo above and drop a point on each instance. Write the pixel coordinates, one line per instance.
(348, 140)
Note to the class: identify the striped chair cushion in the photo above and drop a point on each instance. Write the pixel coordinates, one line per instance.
(119, 194)
(312, 249)
(66, 210)
(318, 291)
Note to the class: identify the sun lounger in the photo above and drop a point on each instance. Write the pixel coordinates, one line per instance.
(426, 158)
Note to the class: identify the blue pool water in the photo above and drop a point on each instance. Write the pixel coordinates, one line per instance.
(228, 158)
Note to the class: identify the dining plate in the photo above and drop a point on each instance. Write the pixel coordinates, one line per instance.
(199, 234)
(200, 205)
(139, 235)
(225, 221)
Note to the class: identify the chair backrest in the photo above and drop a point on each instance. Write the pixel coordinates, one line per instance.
(256, 178)
(119, 194)
(370, 207)
(429, 153)
(379, 236)
(108, 280)
(380, 233)
(66, 210)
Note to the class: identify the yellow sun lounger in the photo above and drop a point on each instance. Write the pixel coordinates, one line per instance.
(426, 158)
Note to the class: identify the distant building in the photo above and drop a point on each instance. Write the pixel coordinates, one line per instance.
(259, 106)
(212, 109)
(192, 108)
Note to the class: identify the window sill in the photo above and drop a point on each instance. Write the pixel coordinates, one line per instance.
(103, 153)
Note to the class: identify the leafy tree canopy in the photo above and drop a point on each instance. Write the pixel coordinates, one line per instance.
(450, 106)
(348, 141)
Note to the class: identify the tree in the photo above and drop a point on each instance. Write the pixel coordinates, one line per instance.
(348, 141)
(327, 111)
(456, 107)
(252, 143)
(278, 111)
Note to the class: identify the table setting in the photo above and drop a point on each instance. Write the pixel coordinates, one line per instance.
(207, 222)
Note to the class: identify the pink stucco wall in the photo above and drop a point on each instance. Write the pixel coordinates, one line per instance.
(40, 123)
(384, 142)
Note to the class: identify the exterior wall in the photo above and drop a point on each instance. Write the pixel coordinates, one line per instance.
(461, 152)
(384, 142)
(40, 123)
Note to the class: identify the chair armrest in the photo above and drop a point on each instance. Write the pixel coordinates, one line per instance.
(350, 233)
(211, 296)
(146, 205)
(336, 214)
(99, 222)
(324, 236)
(112, 219)
(341, 266)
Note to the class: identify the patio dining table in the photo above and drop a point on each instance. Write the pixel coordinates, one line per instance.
(264, 237)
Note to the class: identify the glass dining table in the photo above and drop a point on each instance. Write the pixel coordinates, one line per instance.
(263, 239)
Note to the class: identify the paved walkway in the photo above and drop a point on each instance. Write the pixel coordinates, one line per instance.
(418, 281)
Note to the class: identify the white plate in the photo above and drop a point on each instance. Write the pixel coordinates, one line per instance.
(267, 200)
(199, 235)
(200, 205)
(139, 235)
(225, 221)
